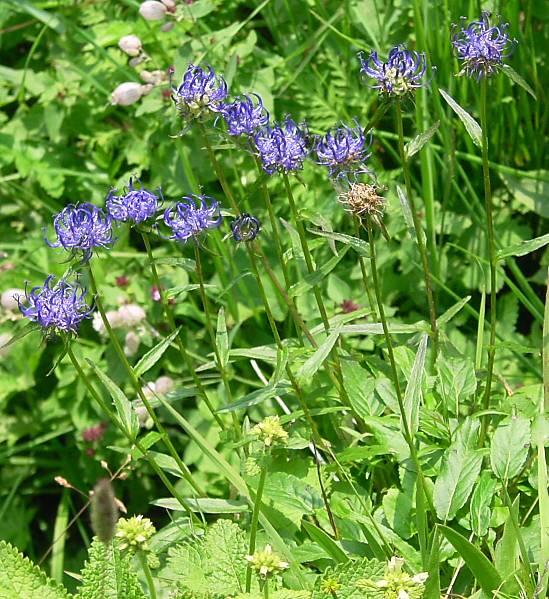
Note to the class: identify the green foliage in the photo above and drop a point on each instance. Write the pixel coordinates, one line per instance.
(348, 580)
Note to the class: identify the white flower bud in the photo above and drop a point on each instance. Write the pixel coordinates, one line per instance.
(131, 344)
(167, 26)
(147, 89)
(152, 10)
(127, 93)
(8, 299)
(130, 44)
(112, 316)
(169, 3)
(131, 315)
(163, 385)
(153, 77)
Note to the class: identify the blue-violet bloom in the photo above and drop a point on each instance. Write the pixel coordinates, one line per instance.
(343, 150)
(245, 227)
(282, 147)
(403, 72)
(189, 218)
(56, 307)
(82, 227)
(244, 116)
(481, 46)
(200, 92)
(136, 205)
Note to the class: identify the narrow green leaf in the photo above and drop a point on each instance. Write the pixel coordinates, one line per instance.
(377, 328)
(28, 328)
(507, 548)
(185, 263)
(314, 363)
(326, 542)
(123, 406)
(413, 393)
(484, 572)
(516, 78)
(208, 505)
(256, 397)
(408, 218)
(451, 312)
(472, 127)
(360, 246)
(415, 145)
(154, 354)
(509, 448)
(48, 18)
(222, 338)
(524, 247)
(316, 277)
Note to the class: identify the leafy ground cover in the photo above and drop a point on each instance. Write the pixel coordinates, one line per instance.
(324, 372)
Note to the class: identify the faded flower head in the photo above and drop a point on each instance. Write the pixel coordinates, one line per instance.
(82, 228)
(270, 431)
(135, 205)
(397, 584)
(244, 116)
(200, 92)
(402, 73)
(133, 533)
(104, 510)
(266, 563)
(362, 199)
(245, 227)
(283, 147)
(56, 308)
(189, 218)
(482, 46)
(343, 150)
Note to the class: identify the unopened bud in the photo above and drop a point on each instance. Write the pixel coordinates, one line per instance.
(167, 26)
(131, 344)
(63, 482)
(169, 4)
(127, 93)
(130, 44)
(152, 10)
(9, 299)
(104, 511)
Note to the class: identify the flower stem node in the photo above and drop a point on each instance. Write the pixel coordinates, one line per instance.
(266, 563)
(270, 431)
(133, 533)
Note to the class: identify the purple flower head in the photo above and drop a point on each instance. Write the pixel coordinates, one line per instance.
(402, 73)
(343, 150)
(245, 227)
(82, 227)
(135, 205)
(56, 308)
(282, 147)
(189, 218)
(243, 116)
(200, 92)
(482, 47)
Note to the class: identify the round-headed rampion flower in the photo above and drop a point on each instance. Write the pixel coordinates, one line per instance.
(56, 308)
(189, 218)
(245, 227)
(82, 227)
(283, 147)
(201, 91)
(343, 149)
(244, 116)
(481, 46)
(135, 205)
(403, 72)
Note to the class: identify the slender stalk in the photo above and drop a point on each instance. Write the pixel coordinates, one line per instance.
(254, 522)
(171, 321)
(114, 419)
(266, 589)
(419, 231)
(147, 572)
(491, 255)
(185, 472)
(367, 287)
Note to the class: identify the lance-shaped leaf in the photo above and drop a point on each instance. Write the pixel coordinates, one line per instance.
(413, 393)
(415, 145)
(472, 127)
(154, 354)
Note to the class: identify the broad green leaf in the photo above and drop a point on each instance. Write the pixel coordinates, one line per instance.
(472, 127)
(516, 78)
(314, 363)
(532, 192)
(222, 338)
(509, 447)
(360, 387)
(456, 380)
(397, 507)
(348, 575)
(481, 499)
(123, 405)
(415, 145)
(413, 393)
(316, 277)
(507, 548)
(154, 354)
(484, 572)
(524, 247)
(326, 542)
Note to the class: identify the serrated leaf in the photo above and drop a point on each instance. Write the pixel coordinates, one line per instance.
(509, 448)
(457, 380)
(516, 78)
(222, 338)
(20, 578)
(347, 576)
(472, 127)
(154, 354)
(524, 247)
(415, 145)
(413, 393)
(480, 504)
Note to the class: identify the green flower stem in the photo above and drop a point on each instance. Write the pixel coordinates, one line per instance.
(419, 231)
(171, 321)
(255, 521)
(367, 286)
(266, 589)
(491, 255)
(422, 492)
(185, 472)
(211, 333)
(114, 419)
(142, 557)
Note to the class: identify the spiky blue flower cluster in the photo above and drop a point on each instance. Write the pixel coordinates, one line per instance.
(403, 71)
(136, 205)
(245, 227)
(56, 307)
(343, 150)
(189, 218)
(201, 91)
(482, 46)
(282, 147)
(244, 116)
(82, 228)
